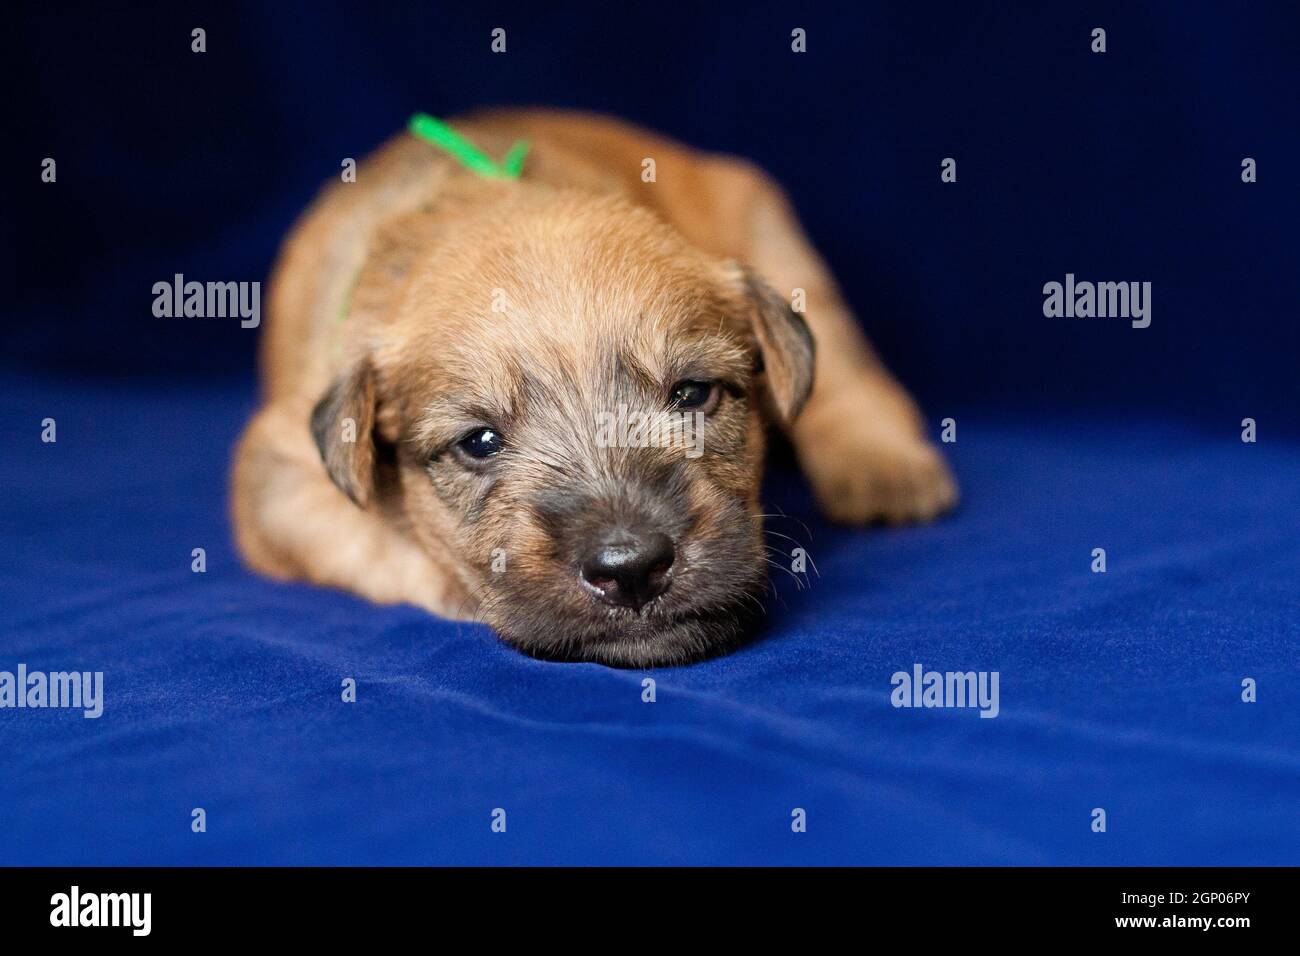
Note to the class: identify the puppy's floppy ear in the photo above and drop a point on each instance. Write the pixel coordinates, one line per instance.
(784, 343)
(343, 424)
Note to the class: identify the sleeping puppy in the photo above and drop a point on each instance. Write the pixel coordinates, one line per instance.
(443, 351)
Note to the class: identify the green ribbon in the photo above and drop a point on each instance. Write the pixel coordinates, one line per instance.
(438, 133)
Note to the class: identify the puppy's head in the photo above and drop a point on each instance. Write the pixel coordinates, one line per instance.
(569, 401)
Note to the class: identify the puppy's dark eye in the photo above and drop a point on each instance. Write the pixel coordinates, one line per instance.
(481, 443)
(695, 396)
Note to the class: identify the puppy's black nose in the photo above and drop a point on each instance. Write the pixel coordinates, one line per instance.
(631, 569)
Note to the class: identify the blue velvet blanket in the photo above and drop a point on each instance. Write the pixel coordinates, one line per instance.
(1120, 691)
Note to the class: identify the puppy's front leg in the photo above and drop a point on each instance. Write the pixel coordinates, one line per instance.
(861, 443)
(292, 522)
(860, 438)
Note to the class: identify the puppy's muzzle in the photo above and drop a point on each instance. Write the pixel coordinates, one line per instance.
(629, 568)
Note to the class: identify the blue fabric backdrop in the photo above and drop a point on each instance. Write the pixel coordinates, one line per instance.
(1119, 690)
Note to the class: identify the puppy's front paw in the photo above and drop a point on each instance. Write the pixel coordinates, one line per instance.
(865, 474)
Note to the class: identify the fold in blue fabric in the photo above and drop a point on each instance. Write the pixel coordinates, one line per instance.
(1119, 691)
